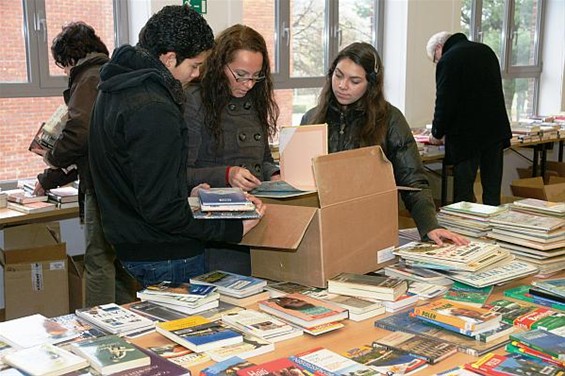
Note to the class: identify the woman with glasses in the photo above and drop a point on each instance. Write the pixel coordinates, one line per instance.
(353, 104)
(230, 114)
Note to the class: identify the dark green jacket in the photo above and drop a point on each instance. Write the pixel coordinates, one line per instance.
(400, 148)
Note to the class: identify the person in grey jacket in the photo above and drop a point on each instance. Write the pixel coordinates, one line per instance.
(230, 115)
(353, 105)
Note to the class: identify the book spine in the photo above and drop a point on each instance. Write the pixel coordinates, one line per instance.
(544, 350)
(451, 328)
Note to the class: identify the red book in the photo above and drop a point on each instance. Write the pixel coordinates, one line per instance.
(526, 321)
(281, 366)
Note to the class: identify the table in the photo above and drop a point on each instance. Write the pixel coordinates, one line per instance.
(354, 334)
(9, 217)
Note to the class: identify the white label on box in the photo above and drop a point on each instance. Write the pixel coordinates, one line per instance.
(36, 277)
(57, 265)
(385, 255)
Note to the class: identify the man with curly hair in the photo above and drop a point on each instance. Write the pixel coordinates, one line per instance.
(139, 148)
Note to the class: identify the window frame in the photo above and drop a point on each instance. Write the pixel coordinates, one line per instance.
(332, 33)
(34, 27)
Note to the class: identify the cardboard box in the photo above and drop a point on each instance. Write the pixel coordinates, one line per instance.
(35, 271)
(535, 188)
(77, 282)
(354, 228)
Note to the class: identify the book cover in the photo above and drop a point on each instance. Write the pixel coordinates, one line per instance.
(480, 210)
(32, 207)
(278, 189)
(528, 221)
(257, 323)
(543, 341)
(180, 289)
(544, 294)
(513, 364)
(322, 361)
(323, 328)
(21, 196)
(403, 321)
(224, 199)
(221, 212)
(179, 354)
(463, 293)
(63, 194)
(84, 329)
(231, 283)
(523, 293)
(386, 361)
(367, 286)
(509, 309)
(246, 301)
(45, 359)
(114, 318)
(353, 304)
(465, 254)
(277, 289)
(516, 347)
(556, 286)
(303, 310)
(155, 311)
(542, 205)
(198, 333)
(34, 330)
(432, 350)
(497, 274)
(280, 366)
(530, 319)
(462, 316)
(228, 367)
(250, 346)
(110, 354)
(403, 271)
(50, 130)
(553, 322)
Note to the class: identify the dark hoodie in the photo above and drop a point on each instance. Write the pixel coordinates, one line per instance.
(138, 149)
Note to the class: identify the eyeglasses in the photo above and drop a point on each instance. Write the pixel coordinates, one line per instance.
(242, 79)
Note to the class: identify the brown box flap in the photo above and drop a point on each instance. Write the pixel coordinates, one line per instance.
(282, 227)
(43, 253)
(29, 236)
(347, 175)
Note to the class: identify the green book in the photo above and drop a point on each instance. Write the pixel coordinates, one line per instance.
(523, 293)
(461, 292)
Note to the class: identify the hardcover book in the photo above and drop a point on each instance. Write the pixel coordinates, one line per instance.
(231, 284)
(513, 270)
(432, 350)
(303, 310)
(321, 361)
(111, 354)
(386, 361)
(45, 359)
(114, 318)
(528, 221)
(198, 334)
(462, 316)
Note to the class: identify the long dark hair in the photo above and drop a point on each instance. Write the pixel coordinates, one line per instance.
(215, 84)
(372, 103)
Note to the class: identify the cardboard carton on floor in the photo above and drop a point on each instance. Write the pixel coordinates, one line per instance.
(35, 271)
(354, 228)
(77, 282)
(535, 188)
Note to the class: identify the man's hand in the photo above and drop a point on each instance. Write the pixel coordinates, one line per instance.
(440, 234)
(240, 177)
(38, 190)
(194, 191)
(248, 224)
(434, 141)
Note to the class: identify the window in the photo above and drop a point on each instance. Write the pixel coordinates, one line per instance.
(31, 85)
(513, 29)
(304, 36)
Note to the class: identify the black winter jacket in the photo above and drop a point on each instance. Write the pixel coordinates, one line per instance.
(400, 148)
(138, 153)
(469, 110)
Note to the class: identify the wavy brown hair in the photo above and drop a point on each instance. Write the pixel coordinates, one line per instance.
(215, 84)
(373, 103)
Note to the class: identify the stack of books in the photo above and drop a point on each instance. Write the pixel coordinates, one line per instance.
(115, 319)
(367, 286)
(458, 317)
(468, 218)
(359, 308)
(63, 197)
(222, 203)
(494, 275)
(536, 238)
(550, 290)
(522, 292)
(312, 315)
(450, 257)
(512, 364)
(26, 202)
(262, 325)
(536, 206)
(231, 284)
(528, 316)
(187, 298)
(539, 344)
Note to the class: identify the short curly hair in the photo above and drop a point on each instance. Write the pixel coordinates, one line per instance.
(179, 29)
(74, 42)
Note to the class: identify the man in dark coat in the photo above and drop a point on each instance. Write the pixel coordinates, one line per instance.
(470, 114)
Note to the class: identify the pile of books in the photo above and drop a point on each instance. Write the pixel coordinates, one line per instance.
(232, 285)
(532, 236)
(522, 292)
(550, 290)
(313, 316)
(368, 286)
(184, 297)
(262, 325)
(468, 218)
(25, 201)
(116, 319)
(222, 203)
(539, 344)
(63, 197)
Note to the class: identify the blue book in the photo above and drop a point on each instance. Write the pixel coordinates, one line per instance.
(224, 199)
(231, 284)
(226, 367)
(541, 340)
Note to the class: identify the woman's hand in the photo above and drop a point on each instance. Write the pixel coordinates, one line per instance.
(261, 208)
(241, 177)
(194, 191)
(439, 234)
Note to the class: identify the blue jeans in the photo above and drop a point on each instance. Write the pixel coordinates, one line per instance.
(176, 271)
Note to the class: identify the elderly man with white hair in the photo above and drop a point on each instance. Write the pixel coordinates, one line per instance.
(470, 114)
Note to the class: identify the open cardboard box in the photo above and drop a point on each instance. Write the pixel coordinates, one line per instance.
(535, 188)
(35, 271)
(354, 228)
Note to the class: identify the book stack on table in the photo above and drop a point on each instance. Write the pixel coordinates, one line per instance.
(222, 203)
(189, 298)
(24, 201)
(63, 197)
(534, 231)
(233, 285)
(468, 218)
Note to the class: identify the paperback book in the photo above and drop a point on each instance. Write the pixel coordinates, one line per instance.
(523, 293)
(180, 289)
(277, 289)
(556, 286)
(280, 366)
(386, 361)
(231, 284)
(114, 319)
(45, 359)
(303, 310)
(32, 207)
(322, 361)
(33, 330)
(224, 199)
(369, 286)
(475, 209)
(179, 354)
(542, 340)
(513, 270)
(198, 334)
(403, 271)
(463, 293)
(155, 311)
(257, 323)
(199, 213)
(49, 131)
(528, 221)
(432, 350)
(111, 354)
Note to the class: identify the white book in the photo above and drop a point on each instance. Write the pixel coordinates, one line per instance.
(45, 360)
(250, 347)
(528, 221)
(189, 310)
(114, 318)
(34, 330)
(475, 209)
(541, 205)
(257, 323)
(185, 301)
(512, 270)
(516, 239)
